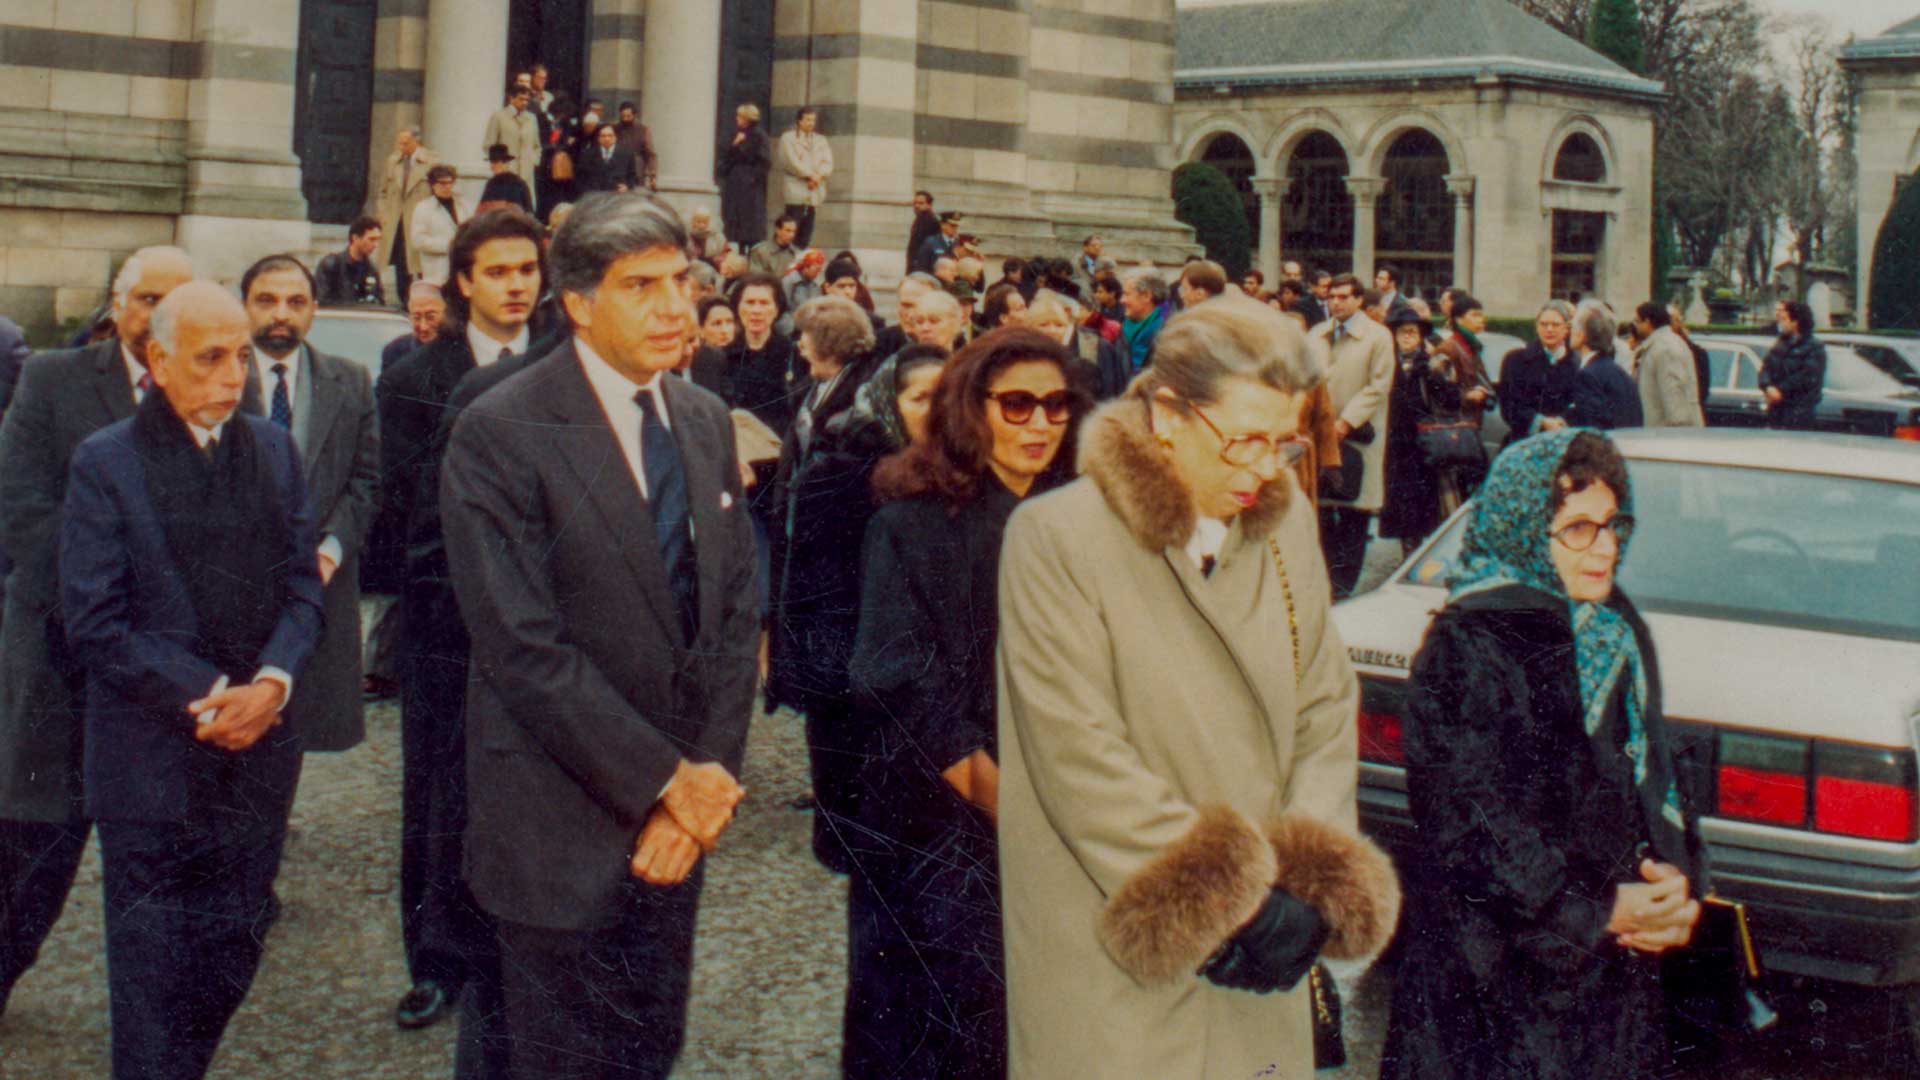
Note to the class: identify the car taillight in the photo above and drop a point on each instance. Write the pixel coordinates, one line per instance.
(1762, 778)
(1909, 432)
(1382, 738)
(1864, 791)
(1846, 789)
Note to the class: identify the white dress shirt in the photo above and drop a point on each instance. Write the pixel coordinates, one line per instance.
(486, 351)
(263, 367)
(135, 372)
(616, 392)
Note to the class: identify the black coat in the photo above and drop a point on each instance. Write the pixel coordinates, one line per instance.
(1527, 825)
(1420, 394)
(762, 380)
(340, 280)
(925, 224)
(595, 171)
(1604, 397)
(1797, 366)
(1532, 385)
(743, 188)
(922, 674)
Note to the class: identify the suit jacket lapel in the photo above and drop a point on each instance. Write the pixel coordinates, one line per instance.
(586, 444)
(698, 454)
(323, 373)
(111, 382)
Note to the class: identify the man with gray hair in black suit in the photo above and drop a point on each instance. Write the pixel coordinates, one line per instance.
(599, 545)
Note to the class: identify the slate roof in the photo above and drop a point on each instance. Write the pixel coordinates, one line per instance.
(1900, 42)
(1332, 42)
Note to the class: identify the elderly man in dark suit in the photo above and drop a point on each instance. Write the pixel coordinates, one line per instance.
(497, 273)
(607, 165)
(191, 593)
(599, 543)
(326, 404)
(61, 398)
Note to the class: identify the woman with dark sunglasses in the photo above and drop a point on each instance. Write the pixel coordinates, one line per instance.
(1557, 860)
(1003, 418)
(1177, 749)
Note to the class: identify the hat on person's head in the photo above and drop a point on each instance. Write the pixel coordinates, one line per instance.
(961, 289)
(499, 152)
(1405, 315)
(810, 258)
(952, 217)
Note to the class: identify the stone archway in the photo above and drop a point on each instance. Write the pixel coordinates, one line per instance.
(1414, 226)
(1318, 210)
(1234, 158)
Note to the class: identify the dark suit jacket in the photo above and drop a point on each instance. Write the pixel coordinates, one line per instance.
(62, 398)
(1605, 397)
(581, 698)
(591, 173)
(132, 627)
(341, 463)
(1533, 385)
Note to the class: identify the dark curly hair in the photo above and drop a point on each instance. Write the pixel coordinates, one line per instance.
(1591, 458)
(954, 457)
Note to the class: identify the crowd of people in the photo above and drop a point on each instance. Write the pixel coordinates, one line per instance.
(1045, 566)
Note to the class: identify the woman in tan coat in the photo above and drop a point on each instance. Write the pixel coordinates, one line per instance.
(1177, 745)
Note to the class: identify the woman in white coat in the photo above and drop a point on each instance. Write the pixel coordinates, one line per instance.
(1177, 798)
(435, 220)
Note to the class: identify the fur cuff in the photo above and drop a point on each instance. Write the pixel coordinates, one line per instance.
(1164, 923)
(1347, 879)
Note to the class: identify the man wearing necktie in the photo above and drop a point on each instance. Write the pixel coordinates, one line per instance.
(326, 404)
(599, 545)
(1359, 377)
(62, 398)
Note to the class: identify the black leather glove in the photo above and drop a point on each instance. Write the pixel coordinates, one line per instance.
(1273, 950)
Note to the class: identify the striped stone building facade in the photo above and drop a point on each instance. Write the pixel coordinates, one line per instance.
(238, 127)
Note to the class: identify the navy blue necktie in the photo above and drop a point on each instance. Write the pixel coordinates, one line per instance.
(672, 523)
(282, 413)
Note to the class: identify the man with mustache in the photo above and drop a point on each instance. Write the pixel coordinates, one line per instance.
(190, 587)
(326, 404)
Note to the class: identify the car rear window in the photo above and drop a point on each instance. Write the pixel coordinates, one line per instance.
(1807, 551)
(357, 337)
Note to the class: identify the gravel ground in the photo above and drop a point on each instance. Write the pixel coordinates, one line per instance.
(770, 963)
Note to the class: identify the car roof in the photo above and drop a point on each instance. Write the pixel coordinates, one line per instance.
(362, 311)
(1785, 451)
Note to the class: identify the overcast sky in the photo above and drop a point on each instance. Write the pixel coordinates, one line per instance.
(1862, 18)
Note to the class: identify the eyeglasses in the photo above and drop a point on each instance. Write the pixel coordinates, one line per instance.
(1580, 535)
(1246, 451)
(1017, 405)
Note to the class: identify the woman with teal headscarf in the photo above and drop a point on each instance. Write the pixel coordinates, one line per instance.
(1555, 861)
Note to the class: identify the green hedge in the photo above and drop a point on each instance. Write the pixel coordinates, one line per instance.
(1204, 198)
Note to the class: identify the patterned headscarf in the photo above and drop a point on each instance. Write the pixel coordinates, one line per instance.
(1507, 543)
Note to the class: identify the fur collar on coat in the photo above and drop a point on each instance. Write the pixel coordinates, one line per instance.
(1119, 452)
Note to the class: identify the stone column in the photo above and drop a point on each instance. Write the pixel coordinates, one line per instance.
(242, 195)
(680, 95)
(466, 83)
(1366, 191)
(1272, 192)
(1461, 188)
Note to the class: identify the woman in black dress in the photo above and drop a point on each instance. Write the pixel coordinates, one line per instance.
(1556, 859)
(743, 180)
(922, 674)
(1421, 394)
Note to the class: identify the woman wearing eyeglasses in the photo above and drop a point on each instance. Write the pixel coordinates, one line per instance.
(1177, 749)
(1555, 860)
(932, 997)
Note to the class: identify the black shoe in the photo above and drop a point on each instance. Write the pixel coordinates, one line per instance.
(423, 1006)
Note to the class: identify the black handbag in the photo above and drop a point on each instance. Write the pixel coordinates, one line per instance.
(1713, 983)
(1329, 1045)
(1343, 483)
(1449, 444)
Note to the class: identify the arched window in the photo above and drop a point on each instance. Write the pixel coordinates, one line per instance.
(1318, 212)
(1231, 156)
(1414, 227)
(1580, 160)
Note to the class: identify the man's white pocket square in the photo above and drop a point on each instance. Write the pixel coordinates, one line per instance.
(726, 501)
